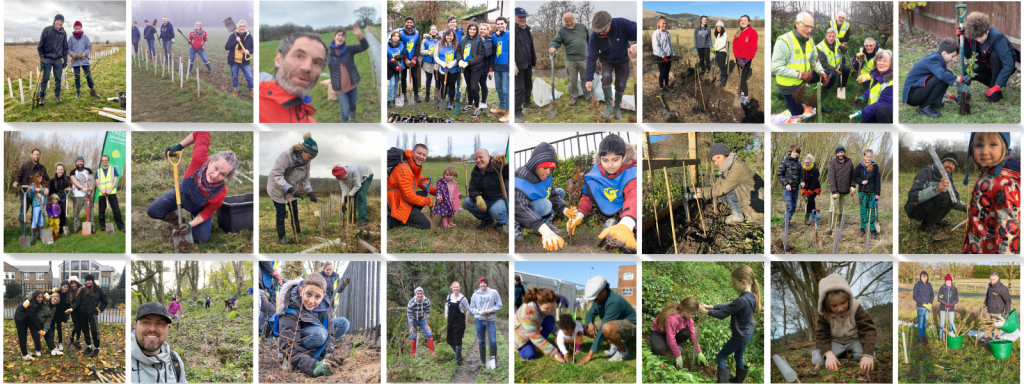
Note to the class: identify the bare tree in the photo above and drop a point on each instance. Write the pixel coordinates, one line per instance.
(365, 15)
(450, 149)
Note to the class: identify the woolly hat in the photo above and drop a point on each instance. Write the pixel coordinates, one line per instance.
(719, 149)
(970, 144)
(309, 145)
(338, 172)
(483, 280)
(840, 149)
(948, 278)
(78, 23)
(74, 279)
(90, 277)
(600, 22)
(79, 158)
(58, 17)
(951, 157)
(720, 24)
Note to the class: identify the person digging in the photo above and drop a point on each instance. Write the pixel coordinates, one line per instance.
(735, 187)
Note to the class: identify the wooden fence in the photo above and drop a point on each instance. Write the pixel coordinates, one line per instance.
(938, 18)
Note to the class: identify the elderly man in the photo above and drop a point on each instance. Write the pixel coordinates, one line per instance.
(618, 320)
(736, 186)
(574, 38)
(355, 180)
(153, 360)
(842, 29)
(998, 304)
(537, 199)
(610, 44)
(405, 203)
(865, 60)
(928, 200)
(795, 62)
(830, 59)
(284, 97)
(167, 37)
(487, 191)
(526, 59)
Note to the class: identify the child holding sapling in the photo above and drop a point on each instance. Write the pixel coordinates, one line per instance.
(307, 330)
(844, 328)
(569, 330)
(993, 213)
(673, 326)
(869, 184)
(741, 323)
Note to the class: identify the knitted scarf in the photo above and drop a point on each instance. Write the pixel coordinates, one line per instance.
(204, 186)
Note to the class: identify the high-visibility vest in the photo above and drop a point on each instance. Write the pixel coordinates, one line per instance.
(799, 60)
(876, 90)
(106, 177)
(840, 31)
(869, 64)
(831, 55)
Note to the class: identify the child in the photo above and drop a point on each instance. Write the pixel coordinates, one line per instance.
(25, 320)
(923, 296)
(44, 319)
(789, 175)
(994, 211)
(996, 60)
(175, 310)
(538, 200)
(948, 297)
(614, 170)
(869, 185)
(844, 327)
(302, 309)
(38, 188)
(418, 315)
(569, 329)
(927, 81)
(53, 214)
(741, 322)
(810, 186)
(672, 327)
(448, 196)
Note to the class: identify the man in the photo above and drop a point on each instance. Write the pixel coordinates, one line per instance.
(208, 301)
(167, 37)
(829, 58)
(610, 43)
(24, 178)
(736, 186)
(81, 190)
(618, 319)
(702, 44)
(840, 182)
(865, 60)
(520, 291)
(926, 83)
(149, 33)
(453, 24)
(744, 48)
(537, 199)
(526, 59)
(136, 36)
(842, 28)
(795, 62)
(500, 40)
(574, 37)
(928, 200)
(284, 97)
(405, 204)
(410, 39)
(106, 182)
(153, 360)
(486, 199)
(80, 48)
(355, 180)
(53, 57)
(998, 304)
(997, 58)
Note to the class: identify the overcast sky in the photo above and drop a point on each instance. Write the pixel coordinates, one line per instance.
(335, 148)
(574, 271)
(531, 139)
(462, 142)
(116, 265)
(624, 9)
(101, 20)
(316, 14)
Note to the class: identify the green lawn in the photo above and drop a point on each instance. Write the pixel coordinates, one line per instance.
(69, 368)
(99, 242)
(108, 74)
(584, 110)
(801, 237)
(841, 109)
(912, 239)
(599, 370)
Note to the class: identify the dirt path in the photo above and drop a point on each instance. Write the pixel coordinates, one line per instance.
(469, 369)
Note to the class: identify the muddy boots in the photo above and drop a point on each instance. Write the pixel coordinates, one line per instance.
(491, 362)
(209, 68)
(618, 103)
(608, 106)
(723, 375)
(741, 375)
(734, 204)
(808, 219)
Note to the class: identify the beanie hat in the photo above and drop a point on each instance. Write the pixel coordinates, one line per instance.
(338, 172)
(970, 144)
(79, 158)
(483, 280)
(309, 145)
(719, 149)
(951, 157)
(90, 277)
(600, 22)
(78, 23)
(58, 17)
(949, 277)
(720, 24)
(612, 144)
(840, 149)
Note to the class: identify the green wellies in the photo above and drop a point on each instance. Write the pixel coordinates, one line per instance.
(867, 203)
(609, 105)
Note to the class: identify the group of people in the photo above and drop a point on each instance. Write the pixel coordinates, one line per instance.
(797, 61)
(997, 306)
(744, 49)
(44, 315)
(484, 305)
(54, 48)
(608, 40)
(45, 197)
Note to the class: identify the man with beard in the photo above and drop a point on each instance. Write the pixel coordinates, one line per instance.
(284, 97)
(150, 351)
(81, 189)
(405, 203)
(410, 37)
(928, 200)
(53, 56)
(25, 172)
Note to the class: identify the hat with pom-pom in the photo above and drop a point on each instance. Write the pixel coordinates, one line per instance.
(309, 145)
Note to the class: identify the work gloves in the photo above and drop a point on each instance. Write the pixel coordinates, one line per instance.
(965, 80)
(182, 230)
(701, 359)
(322, 369)
(857, 115)
(25, 304)
(824, 77)
(667, 59)
(551, 241)
(861, 99)
(742, 62)
(863, 78)
(480, 204)
(463, 64)
(679, 362)
(806, 77)
(959, 31)
(575, 219)
(290, 191)
(177, 147)
(311, 196)
(994, 89)
(928, 306)
(346, 282)
(620, 235)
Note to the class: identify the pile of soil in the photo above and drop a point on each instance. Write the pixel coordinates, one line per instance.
(363, 366)
(721, 238)
(686, 100)
(585, 241)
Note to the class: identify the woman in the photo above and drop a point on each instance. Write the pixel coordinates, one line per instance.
(744, 48)
(485, 32)
(456, 311)
(59, 317)
(197, 39)
(60, 183)
(288, 179)
(327, 271)
(45, 318)
(203, 187)
(474, 53)
(396, 63)
(344, 74)
(447, 56)
(25, 316)
(878, 94)
(661, 44)
(721, 52)
(534, 323)
(90, 301)
(240, 56)
(486, 302)
(427, 48)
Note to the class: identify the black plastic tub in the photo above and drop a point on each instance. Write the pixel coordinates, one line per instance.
(235, 215)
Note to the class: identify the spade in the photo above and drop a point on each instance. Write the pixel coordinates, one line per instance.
(670, 115)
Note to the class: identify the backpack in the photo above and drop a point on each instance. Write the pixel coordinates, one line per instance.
(176, 363)
(396, 156)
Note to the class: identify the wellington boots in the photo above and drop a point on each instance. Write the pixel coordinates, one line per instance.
(430, 346)
(483, 357)
(807, 219)
(209, 68)
(618, 103)
(412, 345)
(609, 107)
(723, 375)
(741, 375)
(458, 355)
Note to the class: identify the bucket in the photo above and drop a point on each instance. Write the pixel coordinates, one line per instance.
(1011, 324)
(1001, 349)
(954, 342)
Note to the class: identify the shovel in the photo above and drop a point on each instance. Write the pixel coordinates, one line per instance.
(458, 93)
(175, 236)
(947, 233)
(87, 225)
(45, 233)
(670, 115)
(440, 104)
(25, 240)
(841, 87)
(553, 106)
(110, 226)
(400, 100)
(961, 10)
(71, 201)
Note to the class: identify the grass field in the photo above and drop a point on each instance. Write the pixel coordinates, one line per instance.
(328, 111)
(686, 99)
(599, 370)
(915, 46)
(914, 240)
(108, 74)
(464, 238)
(69, 368)
(100, 242)
(155, 98)
(152, 176)
(216, 344)
(801, 237)
(841, 109)
(584, 110)
(310, 226)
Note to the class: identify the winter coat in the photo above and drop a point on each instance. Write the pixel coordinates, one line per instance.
(525, 215)
(485, 301)
(231, 45)
(44, 314)
(480, 49)
(612, 48)
(197, 40)
(53, 44)
(289, 171)
(789, 172)
(59, 185)
(998, 299)
(740, 313)
(28, 315)
(721, 42)
(855, 324)
(485, 183)
(884, 97)
(812, 181)
(345, 56)
(528, 322)
(993, 220)
(79, 45)
(1004, 53)
(417, 310)
(948, 297)
(136, 36)
(355, 175)
(574, 42)
(614, 307)
(149, 33)
(873, 178)
(840, 175)
(525, 56)
(923, 293)
(402, 189)
(290, 325)
(86, 305)
(926, 187)
(27, 169)
(278, 106)
(674, 324)
(332, 282)
(929, 68)
(630, 204)
(174, 308)
(744, 45)
(166, 31)
(734, 175)
(59, 317)
(158, 368)
(702, 36)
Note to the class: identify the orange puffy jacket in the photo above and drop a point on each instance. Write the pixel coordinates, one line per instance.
(402, 189)
(278, 106)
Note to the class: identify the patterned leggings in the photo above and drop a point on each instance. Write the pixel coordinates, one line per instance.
(867, 203)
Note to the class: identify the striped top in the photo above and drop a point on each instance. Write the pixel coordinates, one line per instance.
(528, 320)
(418, 310)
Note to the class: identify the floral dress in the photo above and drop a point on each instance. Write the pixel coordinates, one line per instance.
(448, 197)
(994, 211)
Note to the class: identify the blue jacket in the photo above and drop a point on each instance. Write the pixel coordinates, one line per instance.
(167, 31)
(136, 36)
(925, 69)
(923, 293)
(614, 48)
(1004, 53)
(740, 313)
(149, 33)
(884, 98)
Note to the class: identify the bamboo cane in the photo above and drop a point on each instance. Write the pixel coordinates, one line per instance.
(671, 215)
(699, 211)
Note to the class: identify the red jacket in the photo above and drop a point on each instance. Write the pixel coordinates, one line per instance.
(198, 40)
(402, 189)
(744, 46)
(278, 106)
(200, 155)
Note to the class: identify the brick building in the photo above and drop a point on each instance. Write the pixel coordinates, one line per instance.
(627, 283)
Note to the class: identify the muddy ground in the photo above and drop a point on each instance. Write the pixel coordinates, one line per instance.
(362, 366)
(585, 241)
(720, 238)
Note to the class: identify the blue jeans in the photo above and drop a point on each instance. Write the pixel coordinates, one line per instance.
(943, 315)
(423, 325)
(192, 55)
(496, 210)
(393, 87)
(530, 351)
(736, 347)
(791, 198)
(246, 71)
(152, 48)
(78, 76)
(314, 336)
(347, 102)
(543, 206)
(167, 204)
(501, 83)
(922, 320)
(486, 328)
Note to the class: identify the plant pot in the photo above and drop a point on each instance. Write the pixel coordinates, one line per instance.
(954, 342)
(1001, 349)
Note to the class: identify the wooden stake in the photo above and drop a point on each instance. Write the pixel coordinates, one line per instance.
(671, 215)
(650, 175)
(21, 89)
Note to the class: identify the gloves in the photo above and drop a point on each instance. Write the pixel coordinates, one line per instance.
(966, 80)
(863, 78)
(311, 196)
(346, 282)
(959, 31)
(463, 64)
(621, 234)
(929, 306)
(289, 191)
(398, 68)
(68, 312)
(25, 304)
(575, 218)
(701, 359)
(695, 49)
(805, 77)
(857, 115)
(516, 70)
(824, 77)
(742, 62)
(480, 204)
(182, 230)
(322, 369)
(177, 147)
(666, 59)
(835, 195)
(994, 89)
(74, 55)
(551, 241)
(500, 160)
(679, 362)
(861, 99)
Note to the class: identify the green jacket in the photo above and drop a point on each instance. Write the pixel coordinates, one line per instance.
(781, 52)
(45, 314)
(735, 175)
(615, 307)
(574, 40)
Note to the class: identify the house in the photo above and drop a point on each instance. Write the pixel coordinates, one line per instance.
(31, 277)
(627, 283)
(102, 273)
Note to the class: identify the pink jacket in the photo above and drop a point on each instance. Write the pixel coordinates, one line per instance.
(675, 323)
(175, 307)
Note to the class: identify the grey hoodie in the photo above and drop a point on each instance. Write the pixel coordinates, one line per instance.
(355, 175)
(525, 215)
(485, 301)
(155, 369)
(702, 36)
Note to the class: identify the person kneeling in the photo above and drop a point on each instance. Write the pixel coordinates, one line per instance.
(302, 308)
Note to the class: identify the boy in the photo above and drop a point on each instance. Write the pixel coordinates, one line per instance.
(537, 199)
(927, 81)
(996, 60)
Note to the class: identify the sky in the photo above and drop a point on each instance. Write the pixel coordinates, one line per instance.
(116, 265)
(574, 271)
(462, 142)
(731, 9)
(316, 14)
(101, 20)
(531, 139)
(78, 135)
(914, 138)
(335, 148)
(624, 9)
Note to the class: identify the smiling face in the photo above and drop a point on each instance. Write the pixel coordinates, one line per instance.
(830, 37)
(840, 155)
(456, 288)
(869, 46)
(805, 27)
(521, 21)
(612, 162)
(924, 278)
(54, 299)
(300, 67)
(501, 25)
(544, 172)
(949, 166)
(949, 283)
(988, 149)
(419, 296)
(339, 38)
(453, 24)
(150, 333)
(242, 27)
(807, 162)
(395, 37)
(311, 296)
(409, 24)
(419, 155)
(662, 24)
(483, 285)
(78, 28)
(433, 31)
(60, 170)
(838, 304)
(868, 157)
(217, 171)
(198, 26)
(58, 24)
(744, 22)
(472, 31)
(547, 308)
(718, 160)
(35, 155)
(569, 20)
(481, 158)
(840, 19)
(882, 64)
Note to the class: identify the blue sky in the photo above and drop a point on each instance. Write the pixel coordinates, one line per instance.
(574, 271)
(732, 9)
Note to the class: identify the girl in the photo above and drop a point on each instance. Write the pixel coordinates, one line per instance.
(741, 324)
(44, 318)
(73, 286)
(447, 56)
(38, 188)
(344, 73)
(569, 330)
(923, 296)
(844, 326)
(79, 47)
(721, 52)
(418, 315)
(396, 63)
(175, 310)
(744, 47)
(661, 43)
(59, 318)
(306, 329)
(456, 311)
(427, 48)
(485, 304)
(948, 297)
(25, 317)
(485, 32)
(475, 50)
(672, 327)
(869, 183)
(810, 185)
(90, 301)
(53, 213)
(289, 181)
(60, 183)
(789, 175)
(448, 197)
(534, 323)
(994, 211)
